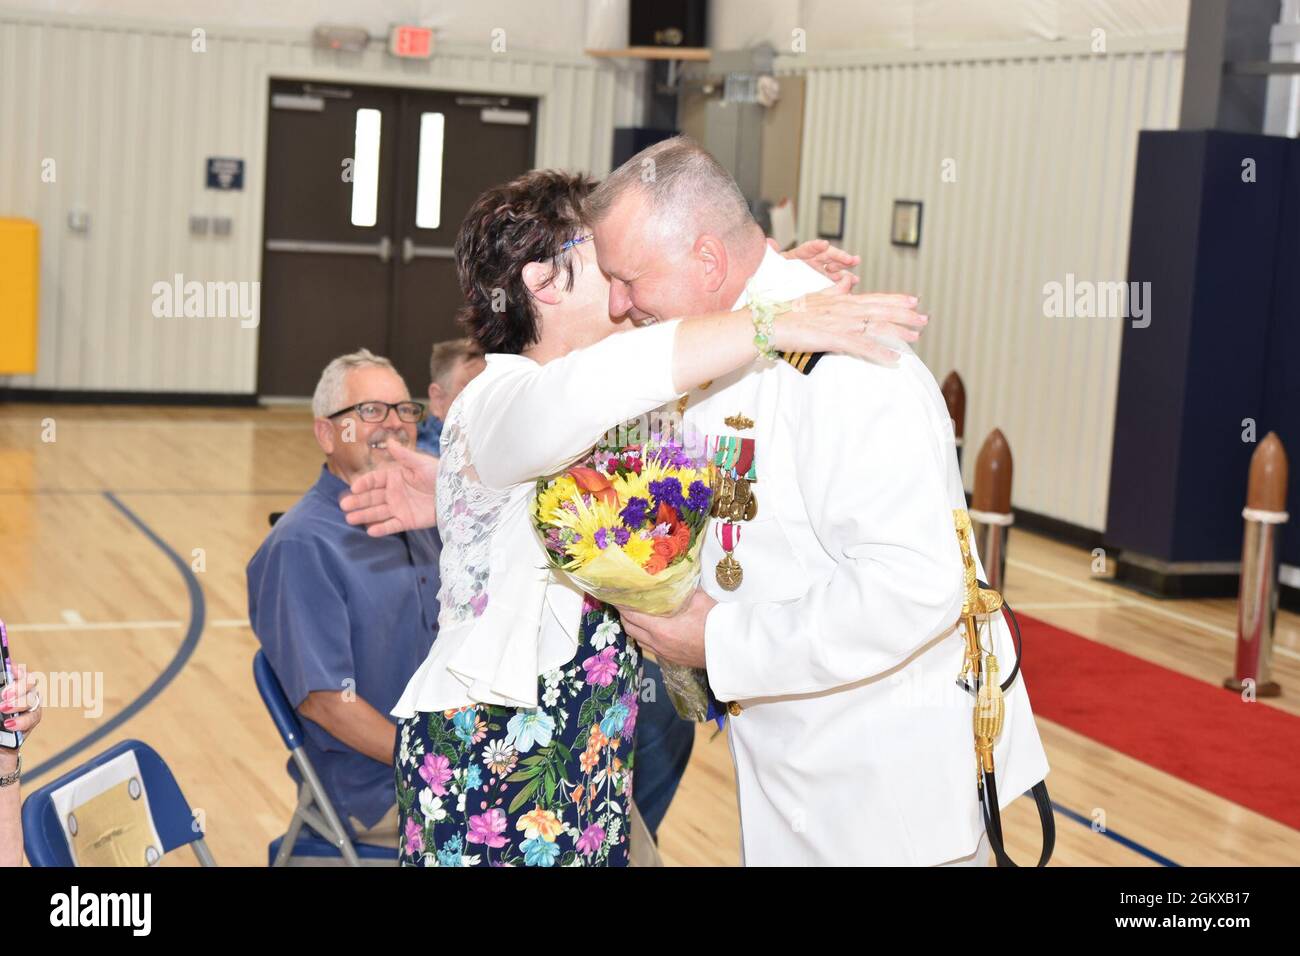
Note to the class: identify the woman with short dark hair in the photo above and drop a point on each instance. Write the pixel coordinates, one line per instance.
(516, 735)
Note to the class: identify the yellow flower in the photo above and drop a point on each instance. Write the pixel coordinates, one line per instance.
(632, 486)
(653, 471)
(639, 549)
(540, 823)
(549, 501)
(589, 519)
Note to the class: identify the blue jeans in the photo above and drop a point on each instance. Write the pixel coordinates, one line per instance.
(663, 747)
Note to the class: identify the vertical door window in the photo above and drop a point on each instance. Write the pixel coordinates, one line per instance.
(428, 188)
(365, 168)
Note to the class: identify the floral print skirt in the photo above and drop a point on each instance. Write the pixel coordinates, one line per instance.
(548, 786)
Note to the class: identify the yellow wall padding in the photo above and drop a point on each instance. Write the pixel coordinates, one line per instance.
(20, 271)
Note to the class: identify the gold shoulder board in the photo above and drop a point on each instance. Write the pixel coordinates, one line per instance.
(803, 361)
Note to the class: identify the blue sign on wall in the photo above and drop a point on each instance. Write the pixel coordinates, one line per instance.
(225, 173)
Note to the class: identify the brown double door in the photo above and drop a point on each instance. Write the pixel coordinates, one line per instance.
(365, 190)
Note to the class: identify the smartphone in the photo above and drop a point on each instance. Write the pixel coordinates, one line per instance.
(11, 739)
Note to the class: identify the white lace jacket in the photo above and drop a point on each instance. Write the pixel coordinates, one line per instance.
(516, 422)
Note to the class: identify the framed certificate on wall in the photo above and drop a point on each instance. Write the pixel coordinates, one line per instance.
(830, 217)
(905, 229)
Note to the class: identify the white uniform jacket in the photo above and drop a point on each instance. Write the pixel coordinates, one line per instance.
(854, 744)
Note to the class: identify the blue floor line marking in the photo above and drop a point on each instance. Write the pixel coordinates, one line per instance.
(183, 653)
(1118, 838)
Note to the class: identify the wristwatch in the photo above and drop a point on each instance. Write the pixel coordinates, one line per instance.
(10, 779)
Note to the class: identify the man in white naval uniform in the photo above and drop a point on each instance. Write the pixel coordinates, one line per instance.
(852, 742)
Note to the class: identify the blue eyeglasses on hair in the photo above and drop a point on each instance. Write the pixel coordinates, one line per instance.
(578, 241)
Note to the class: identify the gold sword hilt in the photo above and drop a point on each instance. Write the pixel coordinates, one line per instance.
(977, 602)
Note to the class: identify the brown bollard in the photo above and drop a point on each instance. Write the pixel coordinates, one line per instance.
(1265, 511)
(954, 396)
(990, 510)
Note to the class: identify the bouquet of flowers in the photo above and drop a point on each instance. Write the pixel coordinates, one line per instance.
(627, 526)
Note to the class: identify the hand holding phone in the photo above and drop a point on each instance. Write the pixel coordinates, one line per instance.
(11, 739)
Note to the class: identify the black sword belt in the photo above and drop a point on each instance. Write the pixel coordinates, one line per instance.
(987, 786)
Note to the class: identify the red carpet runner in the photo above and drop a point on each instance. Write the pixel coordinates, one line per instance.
(1200, 733)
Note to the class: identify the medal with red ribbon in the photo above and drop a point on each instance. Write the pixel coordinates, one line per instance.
(728, 572)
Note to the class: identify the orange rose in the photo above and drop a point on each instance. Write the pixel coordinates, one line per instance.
(655, 564)
(681, 537)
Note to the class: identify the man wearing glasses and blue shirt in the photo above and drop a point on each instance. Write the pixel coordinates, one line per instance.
(344, 618)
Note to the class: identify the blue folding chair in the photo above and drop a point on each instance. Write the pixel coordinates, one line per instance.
(316, 836)
(45, 834)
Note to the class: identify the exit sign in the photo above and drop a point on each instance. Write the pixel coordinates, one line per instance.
(412, 42)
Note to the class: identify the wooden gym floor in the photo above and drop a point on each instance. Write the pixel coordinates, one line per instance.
(85, 589)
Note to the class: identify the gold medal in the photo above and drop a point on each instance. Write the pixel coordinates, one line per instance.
(726, 496)
(741, 499)
(729, 573)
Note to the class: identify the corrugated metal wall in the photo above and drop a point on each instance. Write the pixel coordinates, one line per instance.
(1042, 140)
(128, 112)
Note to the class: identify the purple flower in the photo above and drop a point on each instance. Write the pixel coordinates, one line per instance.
(629, 700)
(671, 455)
(591, 839)
(487, 828)
(414, 837)
(622, 536)
(634, 512)
(601, 668)
(699, 498)
(602, 538)
(436, 771)
(669, 492)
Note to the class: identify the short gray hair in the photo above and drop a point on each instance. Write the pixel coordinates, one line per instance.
(333, 385)
(688, 192)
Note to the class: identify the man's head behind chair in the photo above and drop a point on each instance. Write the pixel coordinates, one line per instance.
(361, 404)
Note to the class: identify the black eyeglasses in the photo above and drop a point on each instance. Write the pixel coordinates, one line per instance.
(374, 412)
